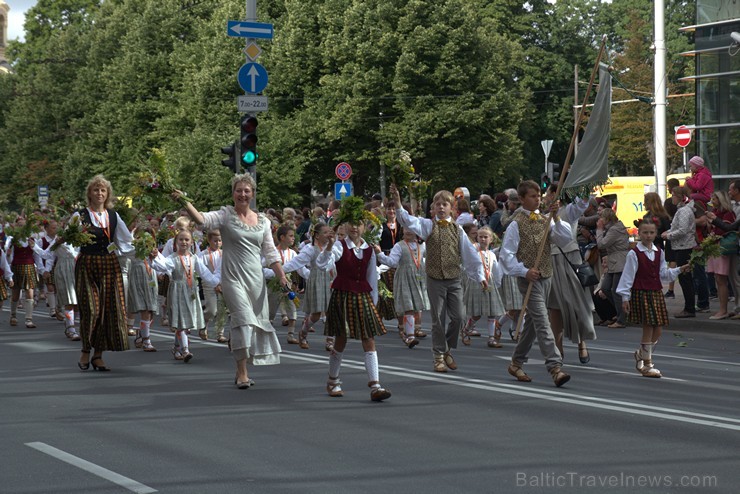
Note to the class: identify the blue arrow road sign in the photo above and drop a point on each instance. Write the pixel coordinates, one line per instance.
(342, 190)
(252, 77)
(242, 29)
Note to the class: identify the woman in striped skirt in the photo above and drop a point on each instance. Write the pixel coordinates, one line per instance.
(6, 277)
(98, 279)
(352, 312)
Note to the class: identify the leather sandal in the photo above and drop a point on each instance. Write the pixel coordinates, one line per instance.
(30, 324)
(493, 343)
(222, 339)
(292, 340)
(138, 341)
(13, 321)
(465, 336)
(303, 340)
(419, 333)
(334, 387)
(378, 393)
(203, 334)
(519, 373)
(449, 361)
(147, 345)
(439, 364)
(411, 342)
(329, 346)
(559, 377)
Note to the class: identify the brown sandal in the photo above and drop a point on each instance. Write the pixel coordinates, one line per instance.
(519, 373)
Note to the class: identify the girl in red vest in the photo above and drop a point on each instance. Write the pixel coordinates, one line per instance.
(641, 288)
(23, 261)
(352, 312)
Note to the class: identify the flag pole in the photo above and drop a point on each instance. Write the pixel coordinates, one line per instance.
(561, 181)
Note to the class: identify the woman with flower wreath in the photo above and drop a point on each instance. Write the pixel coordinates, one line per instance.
(352, 312)
(246, 236)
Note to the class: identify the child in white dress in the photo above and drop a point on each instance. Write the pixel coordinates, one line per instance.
(486, 302)
(183, 302)
(409, 283)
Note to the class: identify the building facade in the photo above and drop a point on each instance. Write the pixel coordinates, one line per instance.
(717, 79)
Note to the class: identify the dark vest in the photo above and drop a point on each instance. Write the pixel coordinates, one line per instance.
(22, 255)
(101, 242)
(352, 272)
(648, 272)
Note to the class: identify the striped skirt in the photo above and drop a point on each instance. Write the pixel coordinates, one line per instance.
(99, 287)
(164, 286)
(647, 307)
(353, 315)
(3, 290)
(24, 276)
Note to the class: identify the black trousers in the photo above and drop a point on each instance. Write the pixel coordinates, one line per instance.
(686, 280)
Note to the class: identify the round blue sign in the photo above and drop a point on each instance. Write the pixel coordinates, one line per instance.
(252, 78)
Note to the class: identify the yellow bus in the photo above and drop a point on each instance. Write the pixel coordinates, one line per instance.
(626, 194)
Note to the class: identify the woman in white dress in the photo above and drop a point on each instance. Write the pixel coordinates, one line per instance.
(246, 236)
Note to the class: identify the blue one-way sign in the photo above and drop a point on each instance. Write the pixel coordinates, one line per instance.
(243, 29)
(252, 77)
(342, 190)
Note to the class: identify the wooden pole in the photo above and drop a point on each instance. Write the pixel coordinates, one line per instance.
(563, 174)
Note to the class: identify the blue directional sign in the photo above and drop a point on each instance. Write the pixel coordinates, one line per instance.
(342, 190)
(252, 77)
(243, 29)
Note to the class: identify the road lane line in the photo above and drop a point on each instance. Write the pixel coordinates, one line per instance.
(101, 472)
(543, 394)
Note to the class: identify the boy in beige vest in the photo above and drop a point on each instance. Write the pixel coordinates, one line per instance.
(448, 248)
(517, 255)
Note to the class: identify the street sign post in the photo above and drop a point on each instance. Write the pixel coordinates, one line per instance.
(43, 193)
(251, 103)
(252, 77)
(244, 29)
(342, 190)
(546, 147)
(683, 139)
(683, 136)
(343, 171)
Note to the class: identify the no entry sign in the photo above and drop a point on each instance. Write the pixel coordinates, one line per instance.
(683, 136)
(343, 171)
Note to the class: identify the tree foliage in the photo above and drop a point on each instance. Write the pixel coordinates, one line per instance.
(468, 87)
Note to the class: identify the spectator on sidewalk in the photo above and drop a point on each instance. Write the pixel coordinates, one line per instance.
(683, 239)
(700, 182)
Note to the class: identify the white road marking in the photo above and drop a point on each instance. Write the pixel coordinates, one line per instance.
(101, 472)
(543, 394)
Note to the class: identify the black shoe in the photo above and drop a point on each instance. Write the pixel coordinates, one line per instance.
(101, 368)
(584, 358)
(82, 366)
(684, 314)
(670, 294)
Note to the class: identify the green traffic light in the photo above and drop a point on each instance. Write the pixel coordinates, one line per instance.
(249, 157)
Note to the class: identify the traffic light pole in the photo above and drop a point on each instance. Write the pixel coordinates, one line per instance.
(251, 16)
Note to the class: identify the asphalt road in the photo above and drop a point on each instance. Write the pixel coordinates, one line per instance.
(154, 424)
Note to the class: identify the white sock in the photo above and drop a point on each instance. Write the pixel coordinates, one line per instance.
(504, 319)
(144, 328)
(408, 325)
(307, 323)
(335, 363)
(28, 307)
(131, 322)
(51, 301)
(491, 327)
(69, 318)
(371, 366)
(182, 337)
(646, 350)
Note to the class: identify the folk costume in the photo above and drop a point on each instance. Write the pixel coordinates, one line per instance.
(641, 285)
(518, 254)
(99, 283)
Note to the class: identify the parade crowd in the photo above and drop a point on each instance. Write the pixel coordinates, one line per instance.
(521, 263)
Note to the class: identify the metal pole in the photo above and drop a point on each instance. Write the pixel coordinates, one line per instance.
(685, 154)
(382, 166)
(660, 97)
(575, 106)
(251, 10)
(251, 16)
